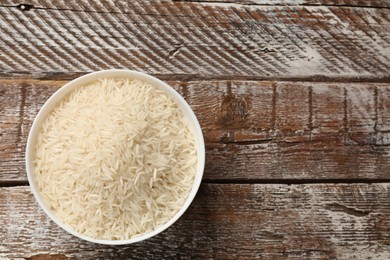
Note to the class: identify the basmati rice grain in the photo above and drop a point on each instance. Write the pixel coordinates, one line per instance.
(115, 159)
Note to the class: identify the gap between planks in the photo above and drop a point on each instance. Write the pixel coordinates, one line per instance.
(17, 183)
(233, 3)
(63, 78)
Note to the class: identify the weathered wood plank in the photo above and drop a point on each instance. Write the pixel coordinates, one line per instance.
(356, 3)
(227, 221)
(19, 104)
(253, 129)
(194, 40)
(109, 6)
(11, 152)
(266, 130)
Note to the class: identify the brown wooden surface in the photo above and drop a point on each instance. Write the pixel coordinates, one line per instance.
(59, 39)
(107, 5)
(256, 130)
(349, 3)
(294, 102)
(228, 221)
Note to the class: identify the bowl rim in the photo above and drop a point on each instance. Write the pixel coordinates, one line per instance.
(115, 73)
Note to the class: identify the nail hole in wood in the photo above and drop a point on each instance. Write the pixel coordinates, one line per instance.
(25, 7)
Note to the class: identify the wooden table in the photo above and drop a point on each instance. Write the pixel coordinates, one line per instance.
(293, 98)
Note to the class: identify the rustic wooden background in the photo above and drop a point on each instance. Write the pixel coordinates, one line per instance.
(293, 98)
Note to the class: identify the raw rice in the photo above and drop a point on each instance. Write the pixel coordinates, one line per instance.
(115, 159)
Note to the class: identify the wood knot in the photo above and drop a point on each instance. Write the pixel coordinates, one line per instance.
(234, 109)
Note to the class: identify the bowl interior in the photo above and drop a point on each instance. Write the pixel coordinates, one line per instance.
(84, 80)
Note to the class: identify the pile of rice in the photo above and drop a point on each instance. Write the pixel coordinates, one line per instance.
(115, 159)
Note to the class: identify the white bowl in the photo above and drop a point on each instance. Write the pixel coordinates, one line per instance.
(81, 81)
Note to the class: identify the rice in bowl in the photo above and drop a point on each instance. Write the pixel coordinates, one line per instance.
(115, 159)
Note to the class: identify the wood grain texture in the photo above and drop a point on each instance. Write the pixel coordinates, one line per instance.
(350, 3)
(179, 40)
(227, 222)
(110, 6)
(254, 130)
(19, 104)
